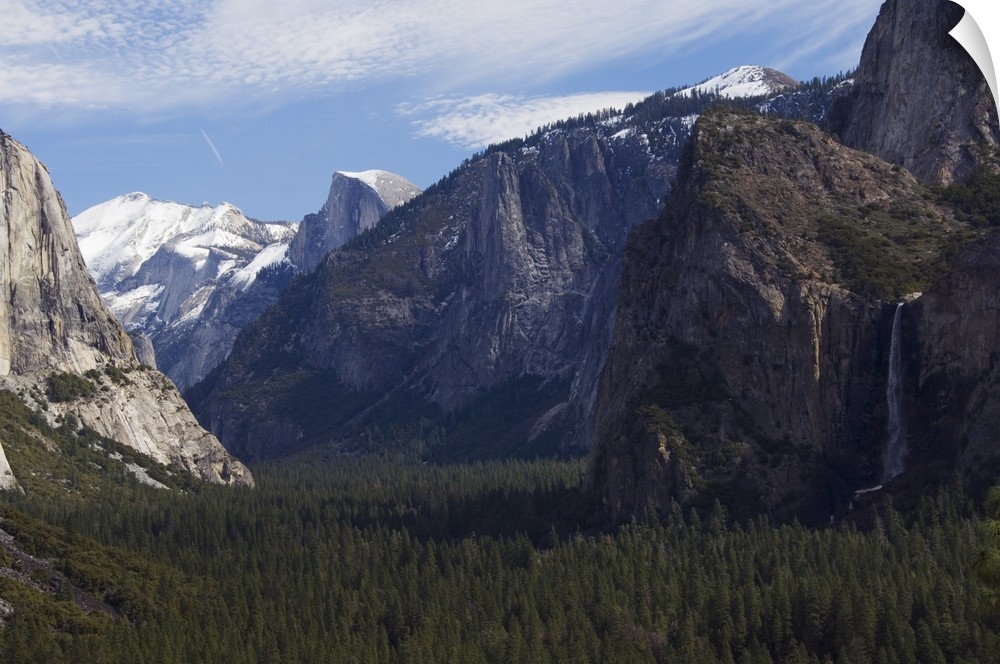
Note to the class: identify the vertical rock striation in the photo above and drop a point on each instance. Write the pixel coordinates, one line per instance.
(952, 369)
(53, 320)
(751, 342)
(476, 303)
(50, 313)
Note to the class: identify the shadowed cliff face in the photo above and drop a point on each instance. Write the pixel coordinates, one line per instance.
(53, 320)
(484, 306)
(749, 356)
(749, 350)
(919, 99)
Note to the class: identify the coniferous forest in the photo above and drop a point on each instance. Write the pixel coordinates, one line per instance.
(382, 560)
(401, 507)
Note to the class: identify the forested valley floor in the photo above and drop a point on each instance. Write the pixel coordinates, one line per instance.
(378, 560)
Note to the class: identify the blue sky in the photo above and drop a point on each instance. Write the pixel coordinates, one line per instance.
(258, 102)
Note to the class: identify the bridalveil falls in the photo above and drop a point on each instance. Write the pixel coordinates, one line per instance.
(895, 446)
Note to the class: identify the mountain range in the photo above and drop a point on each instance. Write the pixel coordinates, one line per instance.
(481, 310)
(482, 318)
(188, 278)
(735, 348)
(771, 323)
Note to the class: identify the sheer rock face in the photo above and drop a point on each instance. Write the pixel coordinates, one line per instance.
(53, 320)
(144, 350)
(485, 305)
(739, 368)
(500, 279)
(919, 99)
(357, 201)
(740, 363)
(51, 316)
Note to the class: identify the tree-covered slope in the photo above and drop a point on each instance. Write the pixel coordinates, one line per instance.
(369, 560)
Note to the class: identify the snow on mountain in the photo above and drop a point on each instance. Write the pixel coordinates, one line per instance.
(744, 81)
(275, 253)
(188, 277)
(376, 179)
(119, 236)
(158, 264)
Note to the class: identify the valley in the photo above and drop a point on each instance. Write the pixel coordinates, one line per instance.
(714, 377)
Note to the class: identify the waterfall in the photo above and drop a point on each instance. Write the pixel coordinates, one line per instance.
(895, 446)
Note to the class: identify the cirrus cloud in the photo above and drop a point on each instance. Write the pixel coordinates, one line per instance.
(477, 121)
(140, 56)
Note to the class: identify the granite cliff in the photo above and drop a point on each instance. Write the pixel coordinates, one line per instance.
(951, 383)
(356, 202)
(53, 322)
(749, 349)
(919, 100)
(474, 319)
(471, 297)
(750, 356)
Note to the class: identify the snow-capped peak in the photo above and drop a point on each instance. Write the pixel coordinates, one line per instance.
(392, 189)
(744, 81)
(370, 177)
(118, 236)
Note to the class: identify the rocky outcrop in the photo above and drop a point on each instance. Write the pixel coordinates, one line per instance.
(7, 480)
(144, 350)
(147, 413)
(919, 99)
(748, 356)
(357, 201)
(52, 320)
(170, 271)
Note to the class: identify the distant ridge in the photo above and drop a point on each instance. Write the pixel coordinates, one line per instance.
(744, 81)
(162, 267)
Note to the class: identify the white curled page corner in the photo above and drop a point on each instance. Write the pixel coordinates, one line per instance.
(970, 35)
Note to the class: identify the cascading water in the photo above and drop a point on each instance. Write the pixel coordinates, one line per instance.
(895, 446)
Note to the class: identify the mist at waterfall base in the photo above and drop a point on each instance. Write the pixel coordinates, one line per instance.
(895, 446)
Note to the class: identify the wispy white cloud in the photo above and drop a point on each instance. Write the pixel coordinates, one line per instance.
(27, 24)
(477, 121)
(140, 56)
